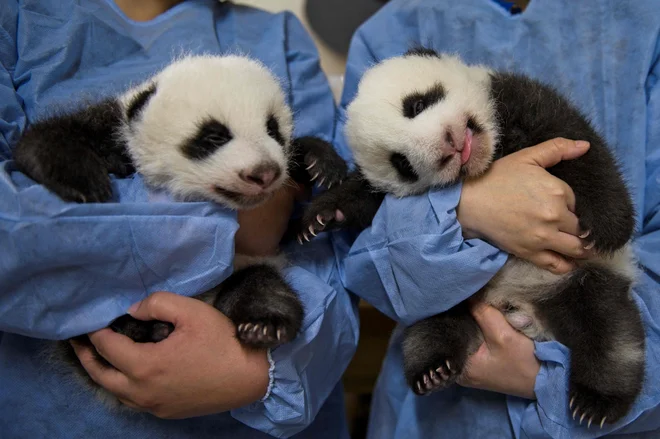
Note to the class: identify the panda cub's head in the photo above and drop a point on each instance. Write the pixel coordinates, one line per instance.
(211, 127)
(421, 120)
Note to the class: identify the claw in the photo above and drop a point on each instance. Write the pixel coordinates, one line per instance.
(590, 245)
(448, 366)
(570, 404)
(426, 380)
(329, 185)
(265, 331)
(602, 421)
(585, 234)
(306, 237)
(314, 177)
(321, 181)
(319, 218)
(589, 423)
(582, 417)
(240, 327)
(311, 166)
(256, 328)
(279, 334)
(299, 240)
(311, 230)
(575, 412)
(248, 326)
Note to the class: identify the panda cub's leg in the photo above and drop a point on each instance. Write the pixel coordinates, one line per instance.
(595, 316)
(352, 205)
(436, 349)
(262, 305)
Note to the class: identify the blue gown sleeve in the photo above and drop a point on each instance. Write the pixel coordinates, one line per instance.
(418, 234)
(12, 116)
(69, 269)
(304, 372)
(549, 416)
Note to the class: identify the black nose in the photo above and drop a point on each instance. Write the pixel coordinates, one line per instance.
(263, 175)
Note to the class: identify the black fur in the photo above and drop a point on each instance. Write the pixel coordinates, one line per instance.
(314, 161)
(139, 101)
(417, 102)
(592, 312)
(530, 113)
(422, 51)
(402, 165)
(210, 136)
(73, 154)
(273, 129)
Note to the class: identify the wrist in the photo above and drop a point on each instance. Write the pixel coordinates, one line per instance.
(465, 211)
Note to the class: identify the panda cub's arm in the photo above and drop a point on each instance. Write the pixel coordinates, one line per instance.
(351, 205)
(73, 154)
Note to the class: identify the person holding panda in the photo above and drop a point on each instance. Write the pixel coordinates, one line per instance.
(606, 58)
(68, 269)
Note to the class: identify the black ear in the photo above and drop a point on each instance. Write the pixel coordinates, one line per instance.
(422, 51)
(139, 101)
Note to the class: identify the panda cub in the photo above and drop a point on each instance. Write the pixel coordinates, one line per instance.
(426, 120)
(212, 128)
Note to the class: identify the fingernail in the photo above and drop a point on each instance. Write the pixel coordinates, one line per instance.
(133, 308)
(581, 144)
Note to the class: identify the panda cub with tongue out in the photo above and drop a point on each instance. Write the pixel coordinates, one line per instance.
(425, 120)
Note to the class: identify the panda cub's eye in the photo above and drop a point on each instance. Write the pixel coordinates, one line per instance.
(273, 130)
(403, 166)
(211, 135)
(415, 103)
(418, 107)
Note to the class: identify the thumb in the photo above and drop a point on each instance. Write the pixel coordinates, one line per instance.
(548, 154)
(164, 306)
(493, 324)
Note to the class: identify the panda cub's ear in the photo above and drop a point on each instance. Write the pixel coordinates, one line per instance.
(422, 51)
(139, 101)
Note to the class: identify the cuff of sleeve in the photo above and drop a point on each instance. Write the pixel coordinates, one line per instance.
(271, 376)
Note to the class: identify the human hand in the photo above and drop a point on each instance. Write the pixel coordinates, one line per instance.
(199, 369)
(505, 361)
(523, 209)
(262, 228)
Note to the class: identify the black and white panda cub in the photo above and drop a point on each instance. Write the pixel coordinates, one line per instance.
(424, 120)
(205, 127)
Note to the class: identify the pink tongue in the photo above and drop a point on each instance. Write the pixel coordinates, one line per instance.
(467, 146)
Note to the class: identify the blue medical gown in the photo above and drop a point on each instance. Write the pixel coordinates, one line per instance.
(67, 269)
(413, 261)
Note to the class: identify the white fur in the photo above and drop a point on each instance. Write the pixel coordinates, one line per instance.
(238, 92)
(376, 126)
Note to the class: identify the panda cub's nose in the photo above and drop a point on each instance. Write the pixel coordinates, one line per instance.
(262, 175)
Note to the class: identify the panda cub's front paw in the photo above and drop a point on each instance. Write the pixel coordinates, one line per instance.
(322, 215)
(140, 331)
(324, 166)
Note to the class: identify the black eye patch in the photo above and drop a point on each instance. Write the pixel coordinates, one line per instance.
(273, 129)
(139, 101)
(403, 167)
(474, 125)
(416, 102)
(210, 136)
